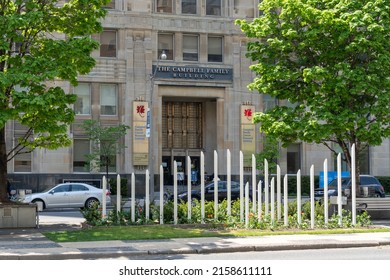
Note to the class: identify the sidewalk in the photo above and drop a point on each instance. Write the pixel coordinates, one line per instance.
(31, 244)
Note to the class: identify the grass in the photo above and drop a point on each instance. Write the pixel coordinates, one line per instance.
(147, 232)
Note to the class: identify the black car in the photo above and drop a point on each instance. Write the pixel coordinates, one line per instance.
(374, 187)
(209, 192)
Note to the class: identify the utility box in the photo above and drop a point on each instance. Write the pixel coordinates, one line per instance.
(18, 216)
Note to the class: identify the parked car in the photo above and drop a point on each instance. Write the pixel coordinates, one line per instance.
(209, 192)
(72, 195)
(375, 188)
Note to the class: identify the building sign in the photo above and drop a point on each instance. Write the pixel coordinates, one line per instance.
(140, 139)
(193, 73)
(248, 134)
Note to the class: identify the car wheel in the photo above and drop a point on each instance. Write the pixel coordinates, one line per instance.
(39, 201)
(91, 202)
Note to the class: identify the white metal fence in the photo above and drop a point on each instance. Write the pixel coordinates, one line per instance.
(272, 205)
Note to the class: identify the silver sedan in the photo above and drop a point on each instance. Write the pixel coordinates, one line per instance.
(66, 195)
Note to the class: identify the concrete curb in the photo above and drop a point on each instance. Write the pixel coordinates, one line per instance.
(243, 248)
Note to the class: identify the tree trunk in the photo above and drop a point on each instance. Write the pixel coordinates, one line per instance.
(3, 167)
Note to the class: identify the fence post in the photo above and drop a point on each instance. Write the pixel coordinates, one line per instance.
(215, 184)
(189, 181)
(312, 214)
(202, 214)
(272, 202)
(265, 187)
(247, 204)
(299, 202)
(118, 195)
(339, 190)
(254, 183)
(132, 197)
(326, 210)
(278, 193)
(147, 195)
(161, 195)
(229, 183)
(104, 199)
(175, 192)
(241, 186)
(353, 186)
(285, 200)
(259, 200)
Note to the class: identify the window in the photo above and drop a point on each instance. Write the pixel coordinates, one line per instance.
(188, 7)
(79, 188)
(81, 148)
(60, 189)
(269, 102)
(22, 161)
(190, 48)
(108, 43)
(108, 100)
(293, 158)
(83, 102)
(213, 7)
(164, 6)
(165, 43)
(214, 49)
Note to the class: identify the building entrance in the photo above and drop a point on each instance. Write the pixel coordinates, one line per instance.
(182, 169)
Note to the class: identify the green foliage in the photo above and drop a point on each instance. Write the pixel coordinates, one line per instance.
(233, 221)
(44, 46)
(331, 61)
(93, 215)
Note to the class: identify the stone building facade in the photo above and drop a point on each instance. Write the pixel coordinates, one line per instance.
(185, 61)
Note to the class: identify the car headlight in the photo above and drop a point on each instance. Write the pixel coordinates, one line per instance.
(331, 191)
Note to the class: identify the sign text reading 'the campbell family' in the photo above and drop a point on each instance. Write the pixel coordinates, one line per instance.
(193, 73)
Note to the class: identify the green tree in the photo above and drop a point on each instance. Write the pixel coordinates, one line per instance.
(106, 143)
(42, 42)
(331, 61)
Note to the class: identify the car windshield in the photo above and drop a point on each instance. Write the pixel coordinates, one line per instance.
(344, 182)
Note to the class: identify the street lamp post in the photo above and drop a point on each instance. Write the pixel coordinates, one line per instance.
(162, 56)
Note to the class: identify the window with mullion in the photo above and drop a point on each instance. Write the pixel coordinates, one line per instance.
(164, 6)
(188, 7)
(81, 148)
(213, 7)
(165, 44)
(190, 47)
(108, 100)
(108, 43)
(83, 102)
(214, 46)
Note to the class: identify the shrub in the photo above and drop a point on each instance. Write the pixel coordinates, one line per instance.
(93, 216)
